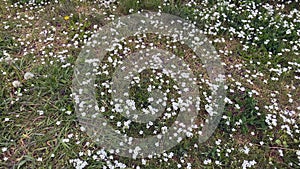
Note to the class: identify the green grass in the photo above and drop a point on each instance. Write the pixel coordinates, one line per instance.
(29, 134)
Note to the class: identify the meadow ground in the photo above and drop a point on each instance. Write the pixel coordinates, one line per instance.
(258, 42)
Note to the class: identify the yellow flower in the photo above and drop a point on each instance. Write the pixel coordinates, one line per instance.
(66, 17)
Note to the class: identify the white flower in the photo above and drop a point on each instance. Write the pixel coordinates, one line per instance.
(218, 142)
(41, 112)
(246, 150)
(207, 161)
(82, 128)
(4, 149)
(16, 83)
(78, 164)
(248, 164)
(68, 112)
(28, 75)
(66, 140)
